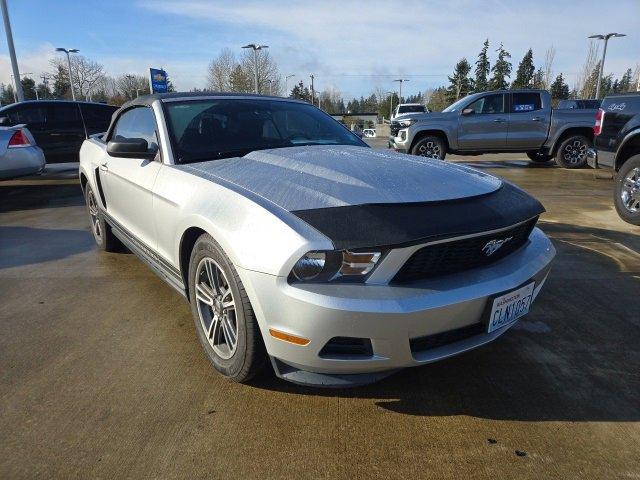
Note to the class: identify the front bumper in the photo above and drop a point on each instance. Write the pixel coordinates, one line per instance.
(400, 142)
(389, 315)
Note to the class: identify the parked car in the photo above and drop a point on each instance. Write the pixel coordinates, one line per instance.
(617, 142)
(497, 122)
(369, 132)
(295, 242)
(405, 108)
(19, 154)
(59, 127)
(589, 104)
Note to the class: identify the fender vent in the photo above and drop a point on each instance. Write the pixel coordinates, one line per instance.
(99, 185)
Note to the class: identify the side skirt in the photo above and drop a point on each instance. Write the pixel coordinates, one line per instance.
(158, 265)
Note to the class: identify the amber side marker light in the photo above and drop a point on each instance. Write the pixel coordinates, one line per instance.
(287, 337)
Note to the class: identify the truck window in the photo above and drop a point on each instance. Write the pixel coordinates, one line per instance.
(525, 102)
(29, 114)
(96, 117)
(489, 104)
(65, 116)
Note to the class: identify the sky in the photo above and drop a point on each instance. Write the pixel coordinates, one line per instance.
(354, 47)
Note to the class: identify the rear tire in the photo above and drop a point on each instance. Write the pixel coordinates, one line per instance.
(430, 146)
(572, 152)
(225, 323)
(626, 195)
(101, 230)
(539, 157)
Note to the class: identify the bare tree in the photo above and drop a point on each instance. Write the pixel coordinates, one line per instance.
(130, 85)
(635, 84)
(583, 83)
(220, 70)
(226, 73)
(87, 75)
(547, 69)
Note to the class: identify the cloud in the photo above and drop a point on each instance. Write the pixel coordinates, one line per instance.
(35, 62)
(349, 42)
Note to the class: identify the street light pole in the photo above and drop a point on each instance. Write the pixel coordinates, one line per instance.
(313, 95)
(12, 52)
(606, 38)
(401, 81)
(286, 83)
(255, 47)
(71, 50)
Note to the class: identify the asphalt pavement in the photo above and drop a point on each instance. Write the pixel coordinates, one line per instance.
(102, 376)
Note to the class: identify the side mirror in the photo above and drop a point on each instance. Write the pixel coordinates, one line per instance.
(132, 148)
(468, 111)
(4, 121)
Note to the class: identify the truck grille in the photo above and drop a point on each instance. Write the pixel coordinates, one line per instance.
(395, 128)
(466, 254)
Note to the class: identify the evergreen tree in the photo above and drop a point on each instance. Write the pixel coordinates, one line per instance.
(43, 91)
(28, 88)
(438, 100)
(501, 70)
(300, 92)
(559, 89)
(538, 80)
(625, 82)
(525, 72)
(6, 94)
(481, 83)
(461, 83)
(61, 83)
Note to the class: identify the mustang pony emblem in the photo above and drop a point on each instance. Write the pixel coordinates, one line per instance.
(492, 246)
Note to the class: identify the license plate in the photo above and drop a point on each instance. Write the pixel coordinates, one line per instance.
(509, 307)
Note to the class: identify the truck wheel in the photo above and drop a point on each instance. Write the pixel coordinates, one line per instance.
(102, 234)
(572, 152)
(627, 191)
(225, 323)
(538, 157)
(430, 146)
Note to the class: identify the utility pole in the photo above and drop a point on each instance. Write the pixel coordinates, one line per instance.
(401, 81)
(390, 105)
(606, 38)
(255, 47)
(71, 50)
(313, 97)
(19, 95)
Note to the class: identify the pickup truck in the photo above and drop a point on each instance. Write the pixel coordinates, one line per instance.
(496, 122)
(617, 147)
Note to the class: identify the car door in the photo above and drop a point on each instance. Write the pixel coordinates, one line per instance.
(528, 121)
(65, 131)
(483, 124)
(129, 181)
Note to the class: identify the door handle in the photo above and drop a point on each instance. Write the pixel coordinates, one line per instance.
(499, 120)
(104, 166)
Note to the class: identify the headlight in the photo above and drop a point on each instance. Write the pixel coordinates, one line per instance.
(342, 265)
(406, 123)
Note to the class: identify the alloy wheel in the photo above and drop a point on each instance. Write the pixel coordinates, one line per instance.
(216, 308)
(93, 214)
(430, 149)
(630, 192)
(575, 152)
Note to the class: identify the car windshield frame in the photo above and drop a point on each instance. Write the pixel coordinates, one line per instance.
(181, 157)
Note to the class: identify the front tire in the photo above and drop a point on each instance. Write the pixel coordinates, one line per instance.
(627, 191)
(101, 230)
(572, 152)
(538, 157)
(431, 146)
(225, 323)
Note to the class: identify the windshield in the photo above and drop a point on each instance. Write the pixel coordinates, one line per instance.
(410, 108)
(222, 128)
(454, 107)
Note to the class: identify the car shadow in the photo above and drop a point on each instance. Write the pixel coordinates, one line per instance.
(17, 196)
(28, 246)
(575, 357)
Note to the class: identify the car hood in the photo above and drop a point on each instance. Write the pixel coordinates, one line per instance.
(314, 177)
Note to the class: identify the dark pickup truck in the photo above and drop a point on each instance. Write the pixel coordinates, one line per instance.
(499, 121)
(617, 147)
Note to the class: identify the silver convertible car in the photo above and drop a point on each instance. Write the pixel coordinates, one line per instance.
(299, 246)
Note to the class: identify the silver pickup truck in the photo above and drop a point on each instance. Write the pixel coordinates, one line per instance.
(496, 122)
